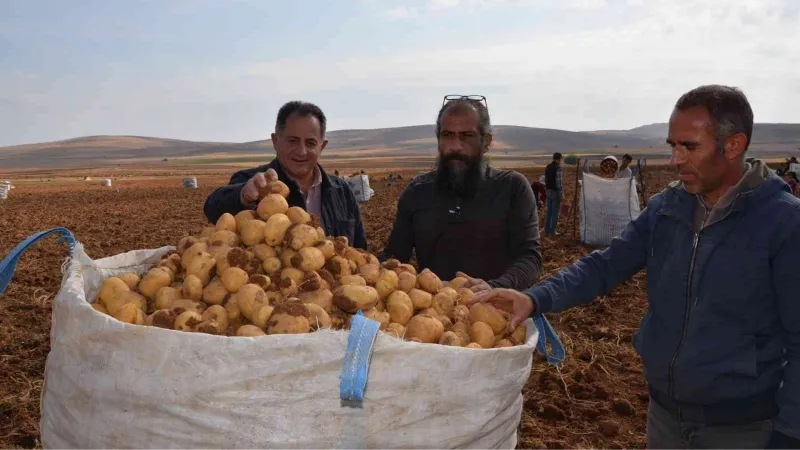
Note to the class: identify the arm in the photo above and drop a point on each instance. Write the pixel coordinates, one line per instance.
(600, 271)
(227, 199)
(401, 240)
(560, 180)
(523, 230)
(785, 273)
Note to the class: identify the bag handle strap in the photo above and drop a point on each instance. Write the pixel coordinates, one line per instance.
(9, 263)
(357, 357)
(546, 332)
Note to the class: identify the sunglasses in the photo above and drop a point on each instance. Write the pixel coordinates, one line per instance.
(472, 98)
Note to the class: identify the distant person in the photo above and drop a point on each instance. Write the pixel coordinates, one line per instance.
(720, 341)
(554, 183)
(624, 169)
(540, 191)
(791, 179)
(299, 139)
(467, 216)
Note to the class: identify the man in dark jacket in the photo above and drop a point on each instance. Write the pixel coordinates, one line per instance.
(299, 139)
(720, 341)
(467, 216)
(554, 183)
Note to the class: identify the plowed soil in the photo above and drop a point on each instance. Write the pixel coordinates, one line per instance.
(596, 399)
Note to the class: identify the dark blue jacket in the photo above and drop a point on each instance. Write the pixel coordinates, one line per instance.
(340, 212)
(723, 321)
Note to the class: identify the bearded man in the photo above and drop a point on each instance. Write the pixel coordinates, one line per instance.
(465, 217)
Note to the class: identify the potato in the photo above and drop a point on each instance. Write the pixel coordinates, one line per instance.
(163, 318)
(339, 267)
(275, 230)
(457, 282)
(320, 233)
(450, 338)
(387, 283)
(396, 330)
(311, 282)
(370, 272)
(192, 288)
(171, 262)
(249, 331)
(250, 299)
(271, 205)
(318, 317)
(391, 264)
(503, 343)
(430, 312)
(464, 295)
(244, 216)
(217, 313)
(130, 313)
(110, 287)
(235, 317)
(184, 304)
(187, 321)
(353, 279)
(298, 215)
(443, 304)
(131, 279)
(288, 287)
(99, 307)
(185, 243)
(308, 259)
(460, 313)
(289, 317)
(262, 281)
(482, 334)
(340, 244)
(226, 222)
(382, 317)
(425, 329)
(381, 305)
(274, 187)
(420, 299)
(352, 298)
(215, 293)
(491, 316)
(253, 232)
(473, 345)
(301, 236)
(406, 282)
(407, 268)
(446, 322)
(327, 277)
(519, 335)
(322, 298)
(286, 256)
(326, 247)
(400, 307)
(360, 257)
(263, 251)
(339, 319)
(261, 317)
(202, 266)
(210, 327)
(225, 237)
(207, 232)
(272, 265)
(123, 298)
(234, 278)
(429, 282)
(166, 296)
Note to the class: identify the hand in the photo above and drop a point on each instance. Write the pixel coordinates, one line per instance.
(474, 284)
(250, 191)
(520, 305)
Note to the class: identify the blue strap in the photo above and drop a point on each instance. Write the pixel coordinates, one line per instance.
(546, 332)
(355, 370)
(9, 263)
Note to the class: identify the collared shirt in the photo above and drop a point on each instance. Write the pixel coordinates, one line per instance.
(625, 173)
(313, 198)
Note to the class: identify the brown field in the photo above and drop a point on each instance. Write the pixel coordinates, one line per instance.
(600, 383)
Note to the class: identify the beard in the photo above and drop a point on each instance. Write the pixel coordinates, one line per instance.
(459, 174)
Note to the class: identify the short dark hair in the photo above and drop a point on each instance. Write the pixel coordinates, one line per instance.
(728, 107)
(484, 122)
(627, 156)
(556, 156)
(302, 109)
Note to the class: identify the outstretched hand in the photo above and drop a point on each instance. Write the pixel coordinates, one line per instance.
(520, 305)
(474, 284)
(251, 189)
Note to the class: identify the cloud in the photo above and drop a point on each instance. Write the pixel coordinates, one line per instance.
(402, 12)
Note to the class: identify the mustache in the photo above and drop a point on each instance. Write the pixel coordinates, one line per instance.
(456, 157)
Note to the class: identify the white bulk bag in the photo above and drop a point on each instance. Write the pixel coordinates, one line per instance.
(360, 187)
(606, 208)
(113, 385)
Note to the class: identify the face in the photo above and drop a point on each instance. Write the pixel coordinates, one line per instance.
(299, 145)
(461, 151)
(696, 154)
(625, 162)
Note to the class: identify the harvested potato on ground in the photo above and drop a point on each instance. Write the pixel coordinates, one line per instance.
(308, 259)
(262, 281)
(482, 334)
(130, 313)
(171, 262)
(234, 278)
(244, 216)
(286, 256)
(235, 317)
(341, 244)
(464, 295)
(518, 336)
(192, 252)
(264, 251)
(429, 282)
(297, 275)
(443, 303)
(253, 232)
(184, 304)
(275, 231)
(503, 343)
(420, 299)
(274, 187)
(249, 331)
(99, 307)
(425, 329)
(326, 247)
(202, 266)
(318, 317)
(288, 287)
(210, 327)
(408, 268)
(396, 330)
(122, 298)
(226, 222)
(207, 232)
(457, 282)
(219, 314)
(185, 243)
(451, 339)
(370, 272)
(429, 312)
(386, 283)
(406, 282)
(192, 288)
(155, 279)
(446, 322)
(215, 293)
(488, 314)
(261, 317)
(271, 205)
(400, 307)
(112, 286)
(321, 297)
(383, 317)
(163, 318)
(339, 267)
(272, 265)
(298, 215)
(250, 299)
(473, 345)
(300, 236)
(352, 298)
(391, 264)
(460, 314)
(166, 296)
(131, 279)
(360, 257)
(290, 317)
(220, 252)
(188, 320)
(225, 237)
(353, 279)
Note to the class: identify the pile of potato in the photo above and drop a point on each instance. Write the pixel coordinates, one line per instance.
(273, 271)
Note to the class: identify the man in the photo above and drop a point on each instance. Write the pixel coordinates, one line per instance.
(720, 341)
(625, 170)
(555, 192)
(539, 191)
(468, 217)
(299, 139)
(791, 179)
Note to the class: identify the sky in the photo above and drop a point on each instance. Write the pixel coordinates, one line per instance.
(219, 70)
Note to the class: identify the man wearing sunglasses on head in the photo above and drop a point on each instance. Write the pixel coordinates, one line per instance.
(466, 218)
